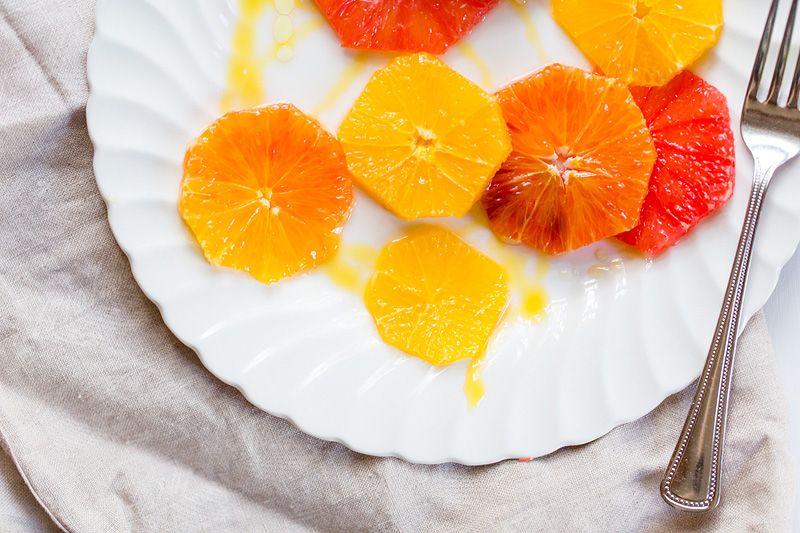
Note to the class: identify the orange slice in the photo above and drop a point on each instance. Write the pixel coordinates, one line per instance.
(423, 140)
(644, 42)
(435, 297)
(266, 191)
(581, 162)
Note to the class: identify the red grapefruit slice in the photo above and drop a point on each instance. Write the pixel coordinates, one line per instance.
(695, 169)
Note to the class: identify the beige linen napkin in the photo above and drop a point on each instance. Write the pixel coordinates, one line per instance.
(116, 426)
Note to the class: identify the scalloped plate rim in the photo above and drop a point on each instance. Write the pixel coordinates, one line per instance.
(786, 252)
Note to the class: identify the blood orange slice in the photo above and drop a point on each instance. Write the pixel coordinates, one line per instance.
(580, 162)
(266, 191)
(695, 170)
(405, 26)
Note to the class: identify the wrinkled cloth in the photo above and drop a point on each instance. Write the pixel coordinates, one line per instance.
(109, 423)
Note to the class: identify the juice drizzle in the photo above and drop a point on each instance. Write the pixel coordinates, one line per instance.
(533, 300)
(530, 28)
(352, 266)
(343, 83)
(246, 67)
(530, 289)
(245, 85)
(474, 386)
(285, 52)
(470, 53)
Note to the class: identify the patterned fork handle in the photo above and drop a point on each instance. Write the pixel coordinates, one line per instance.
(771, 131)
(691, 482)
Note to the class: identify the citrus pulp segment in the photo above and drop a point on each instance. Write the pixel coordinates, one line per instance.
(423, 140)
(641, 42)
(266, 191)
(695, 170)
(581, 160)
(415, 26)
(435, 297)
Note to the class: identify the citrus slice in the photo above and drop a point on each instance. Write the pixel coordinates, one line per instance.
(581, 160)
(423, 140)
(404, 26)
(695, 170)
(266, 191)
(644, 42)
(435, 297)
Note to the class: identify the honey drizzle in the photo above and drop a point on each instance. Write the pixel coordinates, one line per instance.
(246, 67)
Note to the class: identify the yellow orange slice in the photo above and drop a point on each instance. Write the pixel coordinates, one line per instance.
(641, 42)
(435, 297)
(423, 140)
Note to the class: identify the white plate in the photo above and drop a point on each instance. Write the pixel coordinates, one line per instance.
(610, 349)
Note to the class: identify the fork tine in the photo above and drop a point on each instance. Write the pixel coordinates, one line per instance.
(761, 55)
(780, 67)
(793, 92)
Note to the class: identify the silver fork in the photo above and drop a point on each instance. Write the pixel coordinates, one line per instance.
(772, 133)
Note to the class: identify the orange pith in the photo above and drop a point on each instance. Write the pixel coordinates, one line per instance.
(435, 297)
(641, 42)
(581, 161)
(423, 140)
(266, 191)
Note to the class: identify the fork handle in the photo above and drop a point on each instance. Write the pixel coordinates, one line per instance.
(691, 482)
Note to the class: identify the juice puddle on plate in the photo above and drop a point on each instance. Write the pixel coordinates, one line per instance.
(474, 386)
(352, 266)
(531, 298)
(245, 85)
